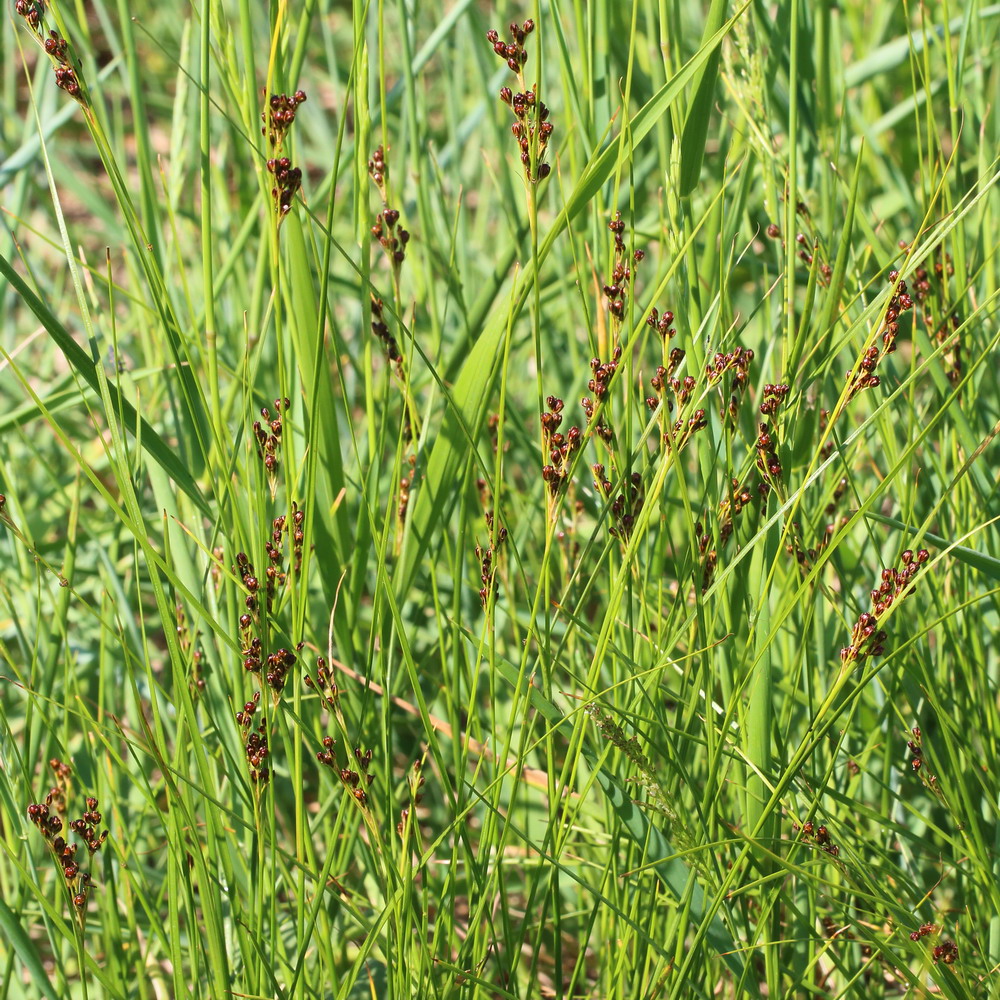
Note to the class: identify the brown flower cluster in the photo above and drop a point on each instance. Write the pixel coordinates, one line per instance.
(514, 52)
(280, 115)
(661, 324)
(930, 290)
(277, 121)
(730, 508)
(820, 836)
(254, 737)
(272, 668)
(767, 457)
(324, 684)
(486, 556)
(625, 505)
(774, 396)
(287, 181)
(356, 781)
(268, 436)
(49, 816)
(923, 930)
(804, 556)
(406, 481)
(622, 274)
(867, 639)
(532, 128)
(560, 447)
(682, 390)
(664, 379)
(916, 748)
(276, 576)
(730, 372)
(56, 47)
(599, 383)
(946, 952)
(391, 236)
(388, 341)
(807, 256)
(865, 377)
(277, 664)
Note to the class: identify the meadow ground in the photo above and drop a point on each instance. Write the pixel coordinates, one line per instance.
(499, 502)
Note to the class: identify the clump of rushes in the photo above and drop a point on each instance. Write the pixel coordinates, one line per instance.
(254, 737)
(867, 639)
(930, 291)
(487, 561)
(625, 506)
(268, 436)
(391, 236)
(865, 377)
(277, 121)
(560, 447)
(532, 128)
(49, 816)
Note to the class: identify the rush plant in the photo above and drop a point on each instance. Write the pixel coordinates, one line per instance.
(499, 512)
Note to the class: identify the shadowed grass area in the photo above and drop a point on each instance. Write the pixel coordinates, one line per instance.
(499, 511)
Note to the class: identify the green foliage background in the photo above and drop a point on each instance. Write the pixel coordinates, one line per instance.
(630, 740)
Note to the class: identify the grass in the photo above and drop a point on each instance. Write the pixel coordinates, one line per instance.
(393, 669)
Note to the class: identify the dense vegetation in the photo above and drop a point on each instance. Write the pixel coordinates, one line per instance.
(441, 554)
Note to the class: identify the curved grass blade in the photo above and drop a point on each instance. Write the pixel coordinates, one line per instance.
(157, 449)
